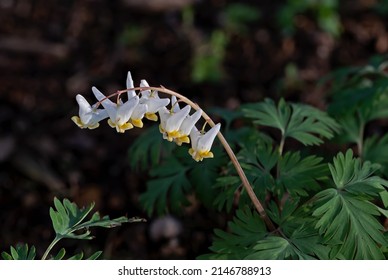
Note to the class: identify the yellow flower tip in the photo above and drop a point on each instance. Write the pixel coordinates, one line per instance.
(77, 121)
(151, 117)
(161, 129)
(206, 154)
(122, 128)
(93, 126)
(137, 123)
(182, 139)
(111, 124)
(173, 134)
(200, 155)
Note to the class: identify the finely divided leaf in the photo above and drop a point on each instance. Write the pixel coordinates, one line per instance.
(356, 177)
(346, 216)
(170, 183)
(68, 220)
(376, 151)
(148, 149)
(301, 122)
(245, 230)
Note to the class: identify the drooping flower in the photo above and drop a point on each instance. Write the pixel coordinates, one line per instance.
(138, 114)
(186, 127)
(140, 110)
(202, 143)
(152, 100)
(89, 116)
(119, 113)
(170, 122)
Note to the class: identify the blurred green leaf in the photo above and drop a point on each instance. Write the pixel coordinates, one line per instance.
(238, 15)
(170, 182)
(376, 151)
(208, 59)
(148, 149)
(20, 252)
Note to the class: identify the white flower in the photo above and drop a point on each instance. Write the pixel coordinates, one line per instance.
(152, 100)
(119, 113)
(170, 122)
(88, 115)
(202, 143)
(138, 114)
(140, 110)
(186, 126)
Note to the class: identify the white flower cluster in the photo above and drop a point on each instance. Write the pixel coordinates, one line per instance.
(176, 124)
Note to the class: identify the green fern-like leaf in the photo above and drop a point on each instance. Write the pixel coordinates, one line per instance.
(376, 151)
(304, 123)
(346, 216)
(148, 149)
(20, 252)
(245, 230)
(203, 176)
(304, 244)
(296, 175)
(168, 188)
(68, 220)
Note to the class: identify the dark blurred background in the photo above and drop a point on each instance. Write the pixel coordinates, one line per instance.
(217, 52)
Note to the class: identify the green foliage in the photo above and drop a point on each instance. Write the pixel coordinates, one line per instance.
(376, 151)
(207, 62)
(324, 11)
(21, 252)
(321, 206)
(68, 220)
(238, 15)
(176, 177)
(346, 216)
(245, 229)
(148, 149)
(301, 122)
(270, 172)
(171, 182)
(249, 239)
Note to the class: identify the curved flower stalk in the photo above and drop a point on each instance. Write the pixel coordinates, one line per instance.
(175, 124)
(152, 100)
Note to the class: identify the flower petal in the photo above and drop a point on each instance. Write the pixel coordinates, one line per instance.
(174, 122)
(109, 106)
(131, 93)
(189, 122)
(206, 141)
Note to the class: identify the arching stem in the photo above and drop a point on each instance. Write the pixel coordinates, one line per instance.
(256, 202)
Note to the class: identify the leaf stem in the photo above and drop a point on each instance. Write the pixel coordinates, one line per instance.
(49, 248)
(256, 202)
